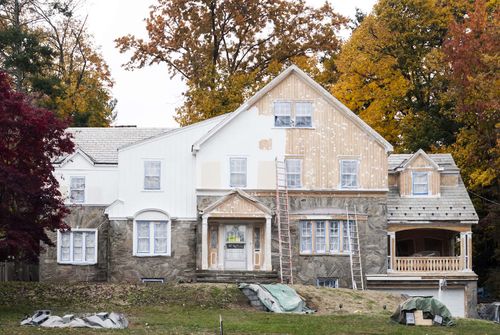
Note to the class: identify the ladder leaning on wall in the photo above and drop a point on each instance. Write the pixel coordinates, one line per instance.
(283, 221)
(354, 251)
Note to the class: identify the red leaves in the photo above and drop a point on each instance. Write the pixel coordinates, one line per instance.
(30, 202)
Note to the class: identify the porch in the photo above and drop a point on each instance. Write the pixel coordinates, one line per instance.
(429, 249)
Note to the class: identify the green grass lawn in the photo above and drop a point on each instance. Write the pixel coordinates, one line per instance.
(173, 309)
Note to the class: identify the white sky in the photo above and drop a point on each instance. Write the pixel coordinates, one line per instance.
(148, 97)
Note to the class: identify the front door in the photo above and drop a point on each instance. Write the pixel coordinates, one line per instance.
(235, 255)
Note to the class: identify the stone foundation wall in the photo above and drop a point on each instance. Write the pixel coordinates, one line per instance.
(179, 267)
(307, 268)
(79, 217)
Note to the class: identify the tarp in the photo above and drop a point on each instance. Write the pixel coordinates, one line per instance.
(42, 318)
(430, 306)
(490, 311)
(278, 298)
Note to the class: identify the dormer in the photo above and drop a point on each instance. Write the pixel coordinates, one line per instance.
(419, 176)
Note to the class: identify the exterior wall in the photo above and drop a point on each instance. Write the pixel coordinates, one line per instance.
(372, 233)
(420, 164)
(101, 181)
(179, 267)
(80, 217)
(252, 135)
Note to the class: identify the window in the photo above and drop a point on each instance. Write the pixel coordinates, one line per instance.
(320, 237)
(152, 174)
(78, 246)
(306, 236)
(303, 114)
(327, 282)
(77, 190)
(293, 173)
(420, 183)
(349, 173)
(282, 114)
(238, 172)
(152, 238)
(324, 237)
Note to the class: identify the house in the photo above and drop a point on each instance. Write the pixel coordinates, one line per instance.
(198, 202)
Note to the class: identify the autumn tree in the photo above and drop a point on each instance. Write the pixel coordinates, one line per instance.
(70, 77)
(30, 201)
(472, 50)
(226, 50)
(392, 72)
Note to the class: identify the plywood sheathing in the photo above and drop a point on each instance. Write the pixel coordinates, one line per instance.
(333, 137)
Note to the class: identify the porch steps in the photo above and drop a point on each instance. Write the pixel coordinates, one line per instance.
(262, 277)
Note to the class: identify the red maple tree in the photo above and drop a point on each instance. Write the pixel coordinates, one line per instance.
(30, 202)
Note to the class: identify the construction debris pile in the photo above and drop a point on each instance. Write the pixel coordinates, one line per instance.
(423, 311)
(43, 318)
(277, 298)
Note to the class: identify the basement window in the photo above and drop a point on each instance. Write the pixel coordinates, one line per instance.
(153, 280)
(78, 246)
(327, 282)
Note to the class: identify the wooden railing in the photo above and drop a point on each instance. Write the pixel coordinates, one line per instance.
(427, 264)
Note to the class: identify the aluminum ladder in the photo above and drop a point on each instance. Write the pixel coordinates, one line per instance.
(283, 221)
(354, 252)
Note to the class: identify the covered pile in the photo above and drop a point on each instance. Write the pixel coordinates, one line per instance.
(276, 298)
(431, 309)
(43, 318)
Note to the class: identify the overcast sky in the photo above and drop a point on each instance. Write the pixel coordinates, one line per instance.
(148, 97)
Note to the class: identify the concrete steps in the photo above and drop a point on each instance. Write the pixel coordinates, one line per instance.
(262, 277)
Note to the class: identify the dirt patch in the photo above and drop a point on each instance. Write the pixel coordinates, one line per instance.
(345, 301)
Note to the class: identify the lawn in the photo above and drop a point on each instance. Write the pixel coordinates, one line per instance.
(193, 309)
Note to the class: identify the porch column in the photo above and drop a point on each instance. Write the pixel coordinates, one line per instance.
(204, 243)
(267, 246)
(391, 252)
(466, 250)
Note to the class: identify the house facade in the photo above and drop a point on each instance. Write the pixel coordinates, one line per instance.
(198, 202)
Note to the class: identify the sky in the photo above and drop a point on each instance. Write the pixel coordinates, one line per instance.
(148, 97)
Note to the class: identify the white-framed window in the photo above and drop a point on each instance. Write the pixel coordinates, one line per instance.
(282, 114)
(349, 170)
(152, 175)
(293, 173)
(320, 237)
(327, 282)
(306, 237)
(77, 246)
(237, 172)
(420, 181)
(77, 189)
(324, 237)
(152, 238)
(303, 114)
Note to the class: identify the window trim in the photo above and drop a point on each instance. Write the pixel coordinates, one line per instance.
(292, 120)
(300, 173)
(246, 171)
(358, 163)
(342, 250)
(295, 113)
(84, 189)
(144, 161)
(84, 247)
(427, 193)
(151, 252)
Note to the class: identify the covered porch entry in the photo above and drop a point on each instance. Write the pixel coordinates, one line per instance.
(236, 234)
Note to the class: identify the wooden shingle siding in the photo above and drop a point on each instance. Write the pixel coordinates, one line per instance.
(333, 137)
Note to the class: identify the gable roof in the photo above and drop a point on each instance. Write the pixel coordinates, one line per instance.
(445, 162)
(422, 153)
(239, 193)
(101, 145)
(317, 87)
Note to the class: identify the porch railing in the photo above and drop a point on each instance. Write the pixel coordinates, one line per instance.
(427, 264)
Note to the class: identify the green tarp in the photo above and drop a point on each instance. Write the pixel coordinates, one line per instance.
(430, 307)
(278, 298)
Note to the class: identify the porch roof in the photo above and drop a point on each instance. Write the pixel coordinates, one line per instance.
(237, 203)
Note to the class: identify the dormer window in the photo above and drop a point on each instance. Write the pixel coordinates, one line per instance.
(420, 184)
(282, 114)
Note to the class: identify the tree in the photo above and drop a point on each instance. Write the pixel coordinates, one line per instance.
(473, 53)
(392, 73)
(226, 50)
(30, 201)
(70, 77)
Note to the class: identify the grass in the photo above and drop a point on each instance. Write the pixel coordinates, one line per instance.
(192, 309)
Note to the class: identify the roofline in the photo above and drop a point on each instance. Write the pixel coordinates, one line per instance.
(77, 151)
(414, 156)
(330, 98)
(171, 132)
(241, 193)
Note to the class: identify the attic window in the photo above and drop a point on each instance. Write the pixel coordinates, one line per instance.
(282, 114)
(420, 183)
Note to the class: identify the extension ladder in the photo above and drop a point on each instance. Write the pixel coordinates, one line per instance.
(354, 251)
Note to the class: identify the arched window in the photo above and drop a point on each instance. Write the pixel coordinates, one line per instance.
(152, 234)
